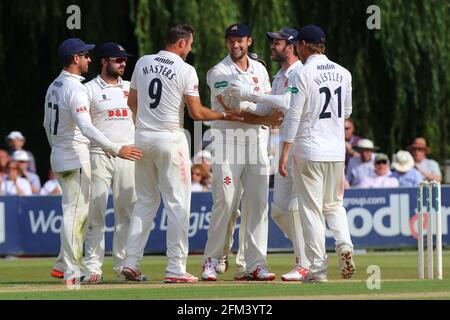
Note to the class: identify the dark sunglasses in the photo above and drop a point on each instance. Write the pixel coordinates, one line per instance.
(381, 162)
(118, 60)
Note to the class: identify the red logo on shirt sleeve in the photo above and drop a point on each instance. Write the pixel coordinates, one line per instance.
(125, 94)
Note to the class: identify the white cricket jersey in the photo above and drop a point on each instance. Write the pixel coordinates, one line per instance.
(65, 98)
(280, 84)
(110, 112)
(321, 98)
(162, 80)
(218, 79)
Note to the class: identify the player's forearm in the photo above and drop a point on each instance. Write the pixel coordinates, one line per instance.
(94, 135)
(205, 114)
(276, 101)
(291, 128)
(286, 148)
(251, 118)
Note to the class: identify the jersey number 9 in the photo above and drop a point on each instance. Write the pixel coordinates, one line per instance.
(154, 92)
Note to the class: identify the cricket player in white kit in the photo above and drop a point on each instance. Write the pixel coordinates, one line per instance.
(108, 95)
(160, 86)
(285, 204)
(320, 101)
(69, 130)
(240, 159)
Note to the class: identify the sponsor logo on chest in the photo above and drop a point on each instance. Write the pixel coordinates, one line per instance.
(117, 114)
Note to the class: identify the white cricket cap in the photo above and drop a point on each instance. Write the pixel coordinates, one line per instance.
(203, 154)
(20, 155)
(15, 135)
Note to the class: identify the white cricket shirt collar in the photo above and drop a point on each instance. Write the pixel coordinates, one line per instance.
(171, 54)
(316, 56)
(65, 73)
(103, 84)
(250, 69)
(286, 73)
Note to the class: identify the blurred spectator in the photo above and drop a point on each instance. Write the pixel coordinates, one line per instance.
(21, 156)
(362, 166)
(427, 167)
(204, 158)
(350, 141)
(382, 175)
(4, 159)
(199, 178)
(405, 172)
(13, 183)
(15, 141)
(51, 187)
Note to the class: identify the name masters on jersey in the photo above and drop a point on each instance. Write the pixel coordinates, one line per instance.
(163, 70)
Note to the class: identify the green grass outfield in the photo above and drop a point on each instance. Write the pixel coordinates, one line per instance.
(28, 278)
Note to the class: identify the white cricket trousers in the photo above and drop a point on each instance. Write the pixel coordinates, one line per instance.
(320, 195)
(164, 168)
(240, 164)
(76, 187)
(117, 174)
(285, 212)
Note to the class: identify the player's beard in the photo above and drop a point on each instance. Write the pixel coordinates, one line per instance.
(114, 73)
(238, 55)
(279, 57)
(84, 68)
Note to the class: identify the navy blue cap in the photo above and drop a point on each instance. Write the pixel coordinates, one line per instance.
(71, 47)
(112, 50)
(238, 30)
(311, 34)
(286, 33)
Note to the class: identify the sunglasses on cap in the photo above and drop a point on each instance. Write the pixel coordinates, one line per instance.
(381, 162)
(118, 60)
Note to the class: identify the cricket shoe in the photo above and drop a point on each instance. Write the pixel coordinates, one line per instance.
(209, 270)
(92, 277)
(222, 265)
(72, 281)
(185, 278)
(261, 273)
(57, 274)
(240, 274)
(315, 278)
(133, 275)
(296, 274)
(346, 263)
